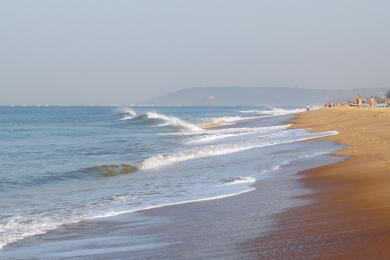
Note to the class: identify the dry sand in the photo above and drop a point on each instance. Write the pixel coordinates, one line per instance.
(350, 216)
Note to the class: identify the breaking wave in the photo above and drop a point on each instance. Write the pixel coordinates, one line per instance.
(274, 111)
(173, 121)
(18, 226)
(162, 120)
(161, 160)
(252, 114)
(127, 113)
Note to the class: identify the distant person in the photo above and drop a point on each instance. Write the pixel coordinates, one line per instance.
(308, 108)
(372, 101)
(360, 101)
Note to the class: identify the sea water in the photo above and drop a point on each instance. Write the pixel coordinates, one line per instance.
(62, 165)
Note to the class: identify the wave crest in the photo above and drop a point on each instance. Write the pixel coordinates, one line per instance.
(161, 119)
(127, 113)
(160, 160)
(173, 121)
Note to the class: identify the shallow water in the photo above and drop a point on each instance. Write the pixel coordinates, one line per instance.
(211, 229)
(63, 165)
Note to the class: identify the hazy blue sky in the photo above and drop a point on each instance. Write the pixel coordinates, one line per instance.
(79, 51)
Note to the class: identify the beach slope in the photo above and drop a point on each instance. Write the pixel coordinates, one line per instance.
(350, 216)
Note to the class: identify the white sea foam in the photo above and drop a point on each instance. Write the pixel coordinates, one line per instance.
(240, 180)
(217, 150)
(127, 113)
(173, 121)
(274, 111)
(229, 120)
(252, 111)
(276, 167)
(163, 119)
(218, 134)
(163, 160)
(127, 118)
(28, 223)
(232, 130)
(19, 228)
(287, 162)
(281, 111)
(211, 138)
(116, 213)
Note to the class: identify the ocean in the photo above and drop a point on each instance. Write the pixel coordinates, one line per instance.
(65, 165)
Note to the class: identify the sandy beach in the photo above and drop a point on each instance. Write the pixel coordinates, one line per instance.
(350, 214)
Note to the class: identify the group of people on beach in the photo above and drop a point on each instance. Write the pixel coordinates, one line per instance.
(363, 102)
(372, 101)
(333, 104)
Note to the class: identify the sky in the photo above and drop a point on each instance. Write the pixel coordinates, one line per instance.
(125, 52)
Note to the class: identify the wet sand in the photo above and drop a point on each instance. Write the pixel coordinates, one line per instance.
(351, 216)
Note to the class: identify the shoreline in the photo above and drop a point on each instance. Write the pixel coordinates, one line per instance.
(146, 208)
(350, 216)
(177, 231)
(180, 229)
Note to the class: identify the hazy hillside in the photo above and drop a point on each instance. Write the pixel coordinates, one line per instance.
(221, 96)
